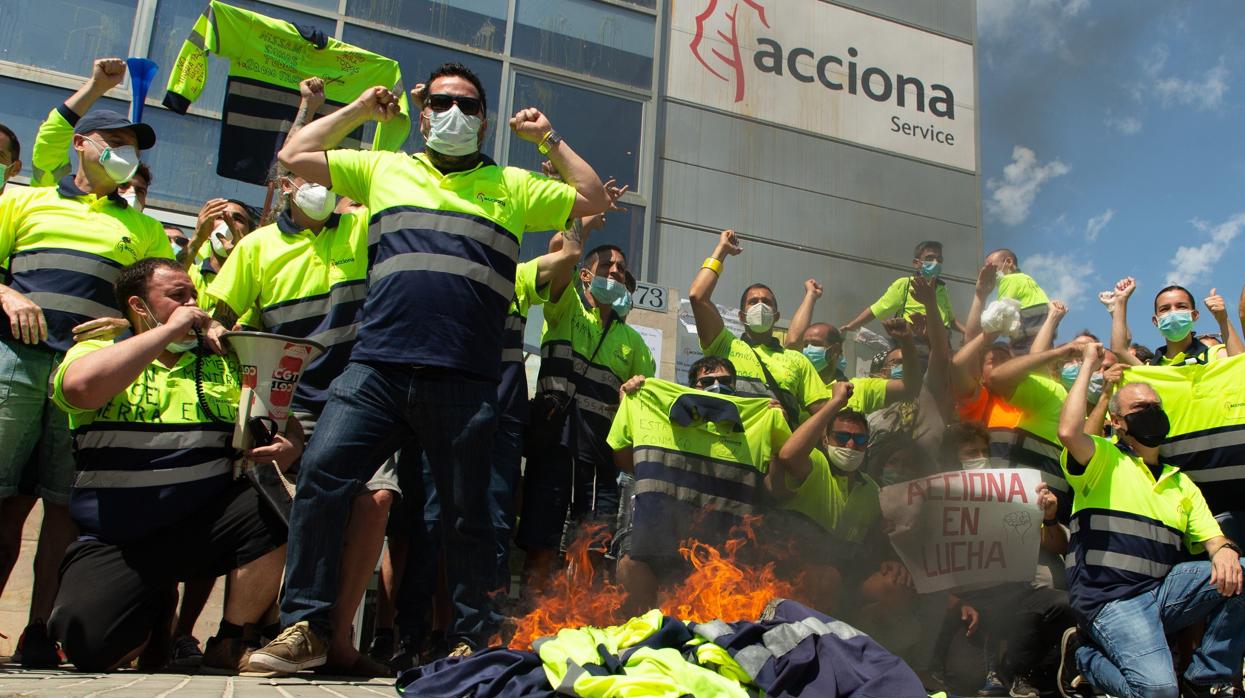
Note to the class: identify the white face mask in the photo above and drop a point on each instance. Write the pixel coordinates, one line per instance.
(759, 318)
(315, 201)
(220, 236)
(132, 199)
(177, 347)
(451, 132)
(846, 459)
(975, 463)
(119, 164)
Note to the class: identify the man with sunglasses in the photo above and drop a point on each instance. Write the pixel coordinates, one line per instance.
(447, 223)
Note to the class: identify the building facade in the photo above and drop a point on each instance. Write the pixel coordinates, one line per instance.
(817, 130)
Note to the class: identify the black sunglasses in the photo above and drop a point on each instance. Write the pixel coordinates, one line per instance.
(442, 102)
(842, 437)
(706, 381)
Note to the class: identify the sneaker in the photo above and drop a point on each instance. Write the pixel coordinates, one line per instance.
(1023, 688)
(225, 656)
(296, 648)
(462, 649)
(1069, 680)
(186, 653)
(38, 649)
(382, 645)
(993, 685)
(1188, 689)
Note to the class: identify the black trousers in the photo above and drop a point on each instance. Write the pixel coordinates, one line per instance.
(111, 594)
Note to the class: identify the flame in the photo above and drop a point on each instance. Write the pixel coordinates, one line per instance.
(720, 586)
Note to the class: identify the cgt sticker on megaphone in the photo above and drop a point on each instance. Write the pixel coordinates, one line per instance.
(271, 367)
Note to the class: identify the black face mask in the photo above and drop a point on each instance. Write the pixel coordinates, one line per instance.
(1148, 425)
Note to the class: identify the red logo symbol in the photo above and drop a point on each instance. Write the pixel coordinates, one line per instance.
(284, 378)
(720, 19)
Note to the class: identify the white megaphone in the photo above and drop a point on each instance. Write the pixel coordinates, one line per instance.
(271, 366)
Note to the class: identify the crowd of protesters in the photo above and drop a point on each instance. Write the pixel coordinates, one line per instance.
(415, 425)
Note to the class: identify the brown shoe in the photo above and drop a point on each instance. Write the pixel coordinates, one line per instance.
(295, 649)
(227, 656)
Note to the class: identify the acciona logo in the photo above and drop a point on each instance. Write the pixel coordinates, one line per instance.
(721, 19)
(828, 69)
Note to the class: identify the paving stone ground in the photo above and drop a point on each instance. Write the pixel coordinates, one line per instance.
(15, 681)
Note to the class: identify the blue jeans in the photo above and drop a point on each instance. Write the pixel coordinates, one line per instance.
(373, 410)
(503, 485)
(1129, 656)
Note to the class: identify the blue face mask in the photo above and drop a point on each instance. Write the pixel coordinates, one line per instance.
(842, 364)
(612, 293)
(818, 356)
(931, 269)
(1068, 375)
(177, 249)
(721, 389)
(1176, 325)
(897, 372)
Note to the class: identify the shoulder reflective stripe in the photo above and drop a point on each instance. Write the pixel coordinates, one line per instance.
(752, 659)
(314, 307)
(445, 264)
(690, 495)
(337, 335)
(152, 478)
(515, 322)
(1133, 527)
(1004, 437)
(63, 303)
(573, 672)
(682, 461)
(1040, 447)
(1069, 560)
(781, 639)
(512, 356)
(747, 386)
(712, 630)
(553, 384)
(1055, 482)
(454, 225)
(1194, 444)
(1230, 472)
(196, 39)
(154, 440)
(1128, 563)
(33, 261)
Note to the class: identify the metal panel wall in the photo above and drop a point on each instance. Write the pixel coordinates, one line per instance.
(810, 206)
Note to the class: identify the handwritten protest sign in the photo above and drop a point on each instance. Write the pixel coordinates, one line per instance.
(965, 527)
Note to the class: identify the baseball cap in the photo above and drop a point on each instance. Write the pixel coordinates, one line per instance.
(107, 120)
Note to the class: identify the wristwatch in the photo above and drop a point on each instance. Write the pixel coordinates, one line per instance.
(551, 139)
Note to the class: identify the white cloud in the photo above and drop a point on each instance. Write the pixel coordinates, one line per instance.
(997, 18)
(1204, 92)
(1127, 125)
(1191, 264)
(1097, 223)
(1012, 197)
(1063, 277)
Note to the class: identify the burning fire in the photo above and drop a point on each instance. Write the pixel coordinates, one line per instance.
(719, 587)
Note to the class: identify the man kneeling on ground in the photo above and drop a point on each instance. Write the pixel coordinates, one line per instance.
(154, 495)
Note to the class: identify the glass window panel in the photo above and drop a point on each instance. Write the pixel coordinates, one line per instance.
(418, 60)
(624, 229)
(603, 129)
(65, 35)
(331, 5)
(650, 4)
(175, 19)
(477, 23)
(26, 105)
(586, 37)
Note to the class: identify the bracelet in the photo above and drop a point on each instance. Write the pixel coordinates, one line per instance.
(713, 265)
(1050, 522)
(1231, 546)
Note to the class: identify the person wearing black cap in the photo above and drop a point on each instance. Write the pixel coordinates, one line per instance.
(64, 246)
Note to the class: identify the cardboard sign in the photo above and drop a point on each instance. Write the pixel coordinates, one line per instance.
(966, 527)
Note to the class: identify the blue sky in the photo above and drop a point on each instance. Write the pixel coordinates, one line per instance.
(1113, 145)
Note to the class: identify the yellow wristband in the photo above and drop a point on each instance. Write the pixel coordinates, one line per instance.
(713, 265)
